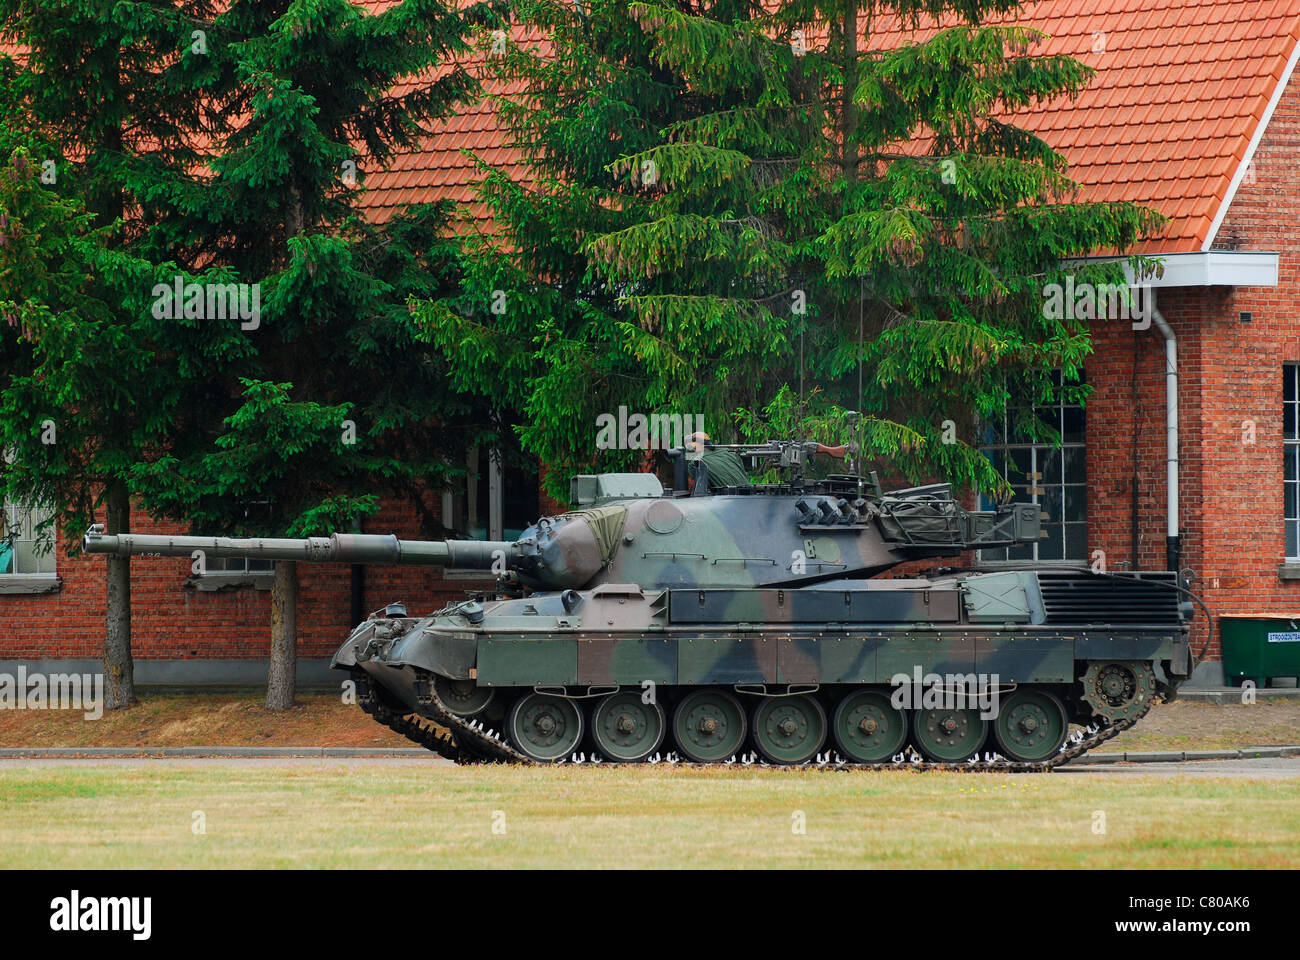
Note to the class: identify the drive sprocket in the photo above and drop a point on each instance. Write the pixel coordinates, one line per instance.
(1118, 689)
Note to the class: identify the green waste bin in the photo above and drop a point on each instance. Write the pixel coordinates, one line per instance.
(1260, 647)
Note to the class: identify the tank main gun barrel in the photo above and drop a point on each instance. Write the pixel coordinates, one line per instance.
(336, 548)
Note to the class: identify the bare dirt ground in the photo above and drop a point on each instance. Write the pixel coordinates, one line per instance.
(202, 720)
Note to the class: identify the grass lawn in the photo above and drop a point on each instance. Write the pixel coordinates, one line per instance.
(393, 814)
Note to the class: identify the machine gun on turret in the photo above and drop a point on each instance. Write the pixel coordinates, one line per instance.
(701, 457)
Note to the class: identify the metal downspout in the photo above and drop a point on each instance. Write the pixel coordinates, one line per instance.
(1172, 540)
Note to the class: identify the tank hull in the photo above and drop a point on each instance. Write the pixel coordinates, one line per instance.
(1028, 638)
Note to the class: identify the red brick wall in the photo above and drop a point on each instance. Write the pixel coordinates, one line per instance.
(1231, 511)
(1126, 436)
(1244, 536)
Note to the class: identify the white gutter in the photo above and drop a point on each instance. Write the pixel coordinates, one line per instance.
(1213, 268)
(1171, 432)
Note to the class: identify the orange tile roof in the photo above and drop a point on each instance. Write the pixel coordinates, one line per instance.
(1181, 89)
(442, 168)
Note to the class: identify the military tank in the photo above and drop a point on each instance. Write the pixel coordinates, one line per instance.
(729, 621)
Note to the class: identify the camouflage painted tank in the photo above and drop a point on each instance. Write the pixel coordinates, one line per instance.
(748, 621)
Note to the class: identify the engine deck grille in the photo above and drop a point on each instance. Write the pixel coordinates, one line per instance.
(1085, 598)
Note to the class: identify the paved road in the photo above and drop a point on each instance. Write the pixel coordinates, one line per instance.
(1259, 769)
(1265, 768)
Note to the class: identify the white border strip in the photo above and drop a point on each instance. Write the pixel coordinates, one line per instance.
(1254, 144)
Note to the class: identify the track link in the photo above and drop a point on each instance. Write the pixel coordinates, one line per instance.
(430, 737)
(468, 741)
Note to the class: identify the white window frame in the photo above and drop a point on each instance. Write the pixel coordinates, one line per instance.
(17, 517)
(463, 503)
(453, 503)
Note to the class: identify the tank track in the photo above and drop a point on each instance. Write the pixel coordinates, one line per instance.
(468, 741)
(445, 734)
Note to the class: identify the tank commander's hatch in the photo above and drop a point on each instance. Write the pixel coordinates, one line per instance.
(587, 489)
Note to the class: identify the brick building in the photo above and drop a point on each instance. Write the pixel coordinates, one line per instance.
(1190, 444)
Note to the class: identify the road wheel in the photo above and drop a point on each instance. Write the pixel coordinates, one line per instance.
(544, 727)
(789, 730)
(709, 725)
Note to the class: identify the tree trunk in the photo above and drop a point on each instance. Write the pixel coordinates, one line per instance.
(281, 679)
(119, 668)
(849, 158)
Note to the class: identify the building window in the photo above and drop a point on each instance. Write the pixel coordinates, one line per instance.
(1055, 478)
(236, 566)
(498, 500)
(229, 565)
(1291, 457)
(25, 551)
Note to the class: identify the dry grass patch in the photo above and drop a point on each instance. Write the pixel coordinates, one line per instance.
(1182, 725)
(204, 720)
(330, 814)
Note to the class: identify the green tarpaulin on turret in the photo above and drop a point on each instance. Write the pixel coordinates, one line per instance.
(725, 469)
(607, 524)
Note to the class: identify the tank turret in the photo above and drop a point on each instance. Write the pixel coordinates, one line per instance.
(626, 529)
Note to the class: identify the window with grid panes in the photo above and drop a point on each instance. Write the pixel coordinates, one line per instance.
(1055, 478)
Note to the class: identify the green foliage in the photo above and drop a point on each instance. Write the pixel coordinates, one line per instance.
(563, 346)
(272, 443)
(338, 398)
(228, 143)
(91, 382)
(745, 207)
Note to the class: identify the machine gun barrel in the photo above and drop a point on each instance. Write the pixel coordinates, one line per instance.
(778, 448)
(336, 548)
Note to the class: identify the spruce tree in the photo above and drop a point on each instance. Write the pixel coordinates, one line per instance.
(811, 232)
(534, 328)
(91, 383)
(336, 401)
